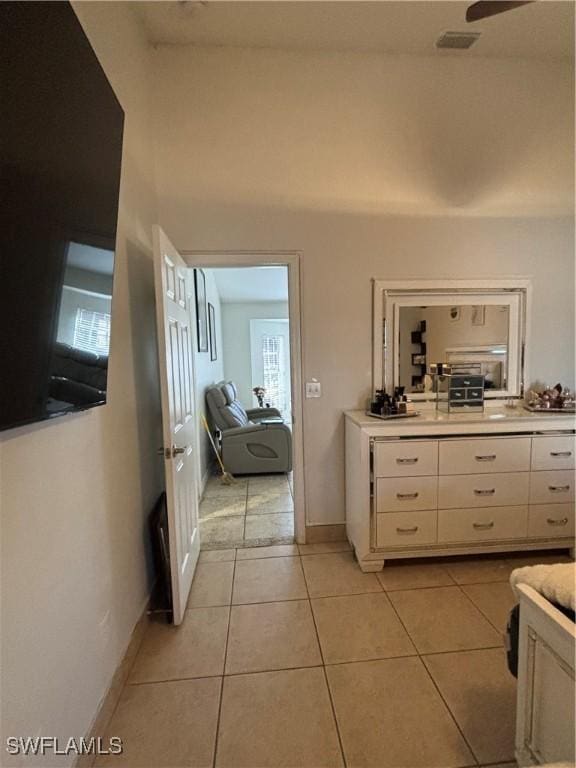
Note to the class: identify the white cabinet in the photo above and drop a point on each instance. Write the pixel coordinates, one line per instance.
(466, 457)
(401, 459)
(494, 490)
(437, 485)
(555, 452)
(406, 494)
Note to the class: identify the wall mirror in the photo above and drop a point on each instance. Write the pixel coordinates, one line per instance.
(478, 327)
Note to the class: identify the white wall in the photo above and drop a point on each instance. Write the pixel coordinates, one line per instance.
(372, 166)
(75, 493)
(236, 338)
(207, 372)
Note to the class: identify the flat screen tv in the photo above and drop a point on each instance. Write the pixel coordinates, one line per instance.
(61, 129)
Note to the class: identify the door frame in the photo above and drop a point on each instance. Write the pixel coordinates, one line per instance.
(291, 260)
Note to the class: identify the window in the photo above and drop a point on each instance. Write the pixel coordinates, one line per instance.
(273, 367)
(92, 331)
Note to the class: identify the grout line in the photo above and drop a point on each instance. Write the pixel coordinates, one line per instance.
(452, 715)
(481, 613)
(224, 667)
(305, 666)
(419, 656)
(332, 706)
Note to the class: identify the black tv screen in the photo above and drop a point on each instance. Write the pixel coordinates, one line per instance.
(61, 129)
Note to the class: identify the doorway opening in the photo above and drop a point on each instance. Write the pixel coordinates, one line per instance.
(244, 387)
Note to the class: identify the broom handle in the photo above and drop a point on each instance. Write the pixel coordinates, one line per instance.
(213, 443)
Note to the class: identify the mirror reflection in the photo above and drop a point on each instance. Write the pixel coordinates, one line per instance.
(473, 338)
(80, 356)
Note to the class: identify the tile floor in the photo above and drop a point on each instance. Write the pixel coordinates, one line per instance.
(291, 656)
(254, 511)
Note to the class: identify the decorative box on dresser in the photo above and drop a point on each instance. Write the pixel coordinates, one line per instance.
(445, 484)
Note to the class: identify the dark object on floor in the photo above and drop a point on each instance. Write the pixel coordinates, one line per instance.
(513, 629)
(161, 601)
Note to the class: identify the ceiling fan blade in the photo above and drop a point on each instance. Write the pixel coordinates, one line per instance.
(485, 8)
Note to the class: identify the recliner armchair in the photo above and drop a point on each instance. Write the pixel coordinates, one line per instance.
(254, 441)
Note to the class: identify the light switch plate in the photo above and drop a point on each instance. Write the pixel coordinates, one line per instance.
(313, 388)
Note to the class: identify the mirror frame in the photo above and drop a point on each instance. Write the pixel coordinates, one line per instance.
(388, 296)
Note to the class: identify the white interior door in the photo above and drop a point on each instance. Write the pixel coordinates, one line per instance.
(174, 310)
(270, 361)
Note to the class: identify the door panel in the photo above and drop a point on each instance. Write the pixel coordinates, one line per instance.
(173, 307)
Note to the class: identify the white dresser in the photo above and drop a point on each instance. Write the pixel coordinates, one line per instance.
(440, 484)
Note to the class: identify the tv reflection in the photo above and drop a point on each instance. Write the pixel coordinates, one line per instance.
(79, 367)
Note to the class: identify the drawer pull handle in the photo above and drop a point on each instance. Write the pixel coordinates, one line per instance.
(552, 521)
(488, 457)
(407, 530)
(483, 526)
(404, 496)
(485, 492)
(560, 454)
(411, 460)
(558, 488)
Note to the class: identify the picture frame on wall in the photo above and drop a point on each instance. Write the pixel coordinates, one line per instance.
(201, 310)
(212, 329)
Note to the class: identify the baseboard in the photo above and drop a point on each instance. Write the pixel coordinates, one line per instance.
(110, 700)
(318, 534)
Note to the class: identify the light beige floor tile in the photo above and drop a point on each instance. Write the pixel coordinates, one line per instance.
(268, 580)
(224, 532)
(260, 483)
(212, 585)
(324, 548)
(166, 724)
(270, 636)
(264, 527)
(217, 556)
(478, 571)
(268, 503)
(494, 600)
(220, 506)
(337, 574)
(443, 619)
(359, 627)
(413, 576)
(257, 553)
(277, 719)
(216, 487)
(481, 694)
(194, 649)
(390, 714)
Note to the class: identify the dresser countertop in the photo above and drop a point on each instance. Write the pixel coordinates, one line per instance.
(492, 420)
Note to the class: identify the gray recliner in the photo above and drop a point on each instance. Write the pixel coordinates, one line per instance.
(254, 441)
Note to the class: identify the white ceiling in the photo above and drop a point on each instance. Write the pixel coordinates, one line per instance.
(251, 284)
(541, 30)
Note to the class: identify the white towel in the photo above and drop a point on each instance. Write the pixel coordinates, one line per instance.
(556, 583)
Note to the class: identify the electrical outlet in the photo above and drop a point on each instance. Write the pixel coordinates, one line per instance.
(313, 388)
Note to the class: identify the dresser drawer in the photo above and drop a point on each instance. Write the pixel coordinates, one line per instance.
(494, 490)
(406, 457)
(482, 524)
(551, 520)
(556, 452)
(466, 457)
(406, 494)
(554, 487)
(403, 529)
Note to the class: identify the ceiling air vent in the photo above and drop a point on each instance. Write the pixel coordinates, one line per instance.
(459, 41)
